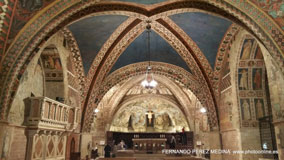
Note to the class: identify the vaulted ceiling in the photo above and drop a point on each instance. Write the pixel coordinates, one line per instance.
(206, 31)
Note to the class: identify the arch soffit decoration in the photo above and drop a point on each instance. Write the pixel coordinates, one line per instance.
(76, 59)
(25, 44)
(174, 73)
(222, 55)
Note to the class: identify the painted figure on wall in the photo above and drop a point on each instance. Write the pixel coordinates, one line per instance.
(57, 64)
(243, 79)
(257, 79)
(245, 109)
(258, 53)
(5, 148)
(51, 62)
(259, 107)
(246, 49)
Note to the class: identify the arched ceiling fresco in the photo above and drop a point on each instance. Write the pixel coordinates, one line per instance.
(161, 51)
(92, 32)
(204, 29)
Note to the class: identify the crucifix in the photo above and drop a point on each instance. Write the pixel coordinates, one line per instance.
(150, 116)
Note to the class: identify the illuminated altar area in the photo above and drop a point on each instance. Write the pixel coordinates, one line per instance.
(146, 119)
(149, 115)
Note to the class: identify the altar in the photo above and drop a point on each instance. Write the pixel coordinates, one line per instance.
(149, 145)
(149, 142)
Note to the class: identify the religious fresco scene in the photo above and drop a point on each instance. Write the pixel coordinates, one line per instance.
(142, 80)
(149, 116)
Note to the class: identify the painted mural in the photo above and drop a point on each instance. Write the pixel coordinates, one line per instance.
(5, 145)
(243, 79)
(258, 54)
(26, 9)
(251, 83)
(259, 108)
(52, 64)
(246, 49)
(151, 115)
(257, 78)
(275, 8)
(246, 111)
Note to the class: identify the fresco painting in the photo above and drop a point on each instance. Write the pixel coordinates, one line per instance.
(51, 62)
(243, 79)
(259, 108)
(246, 49)
(246, 111)
(258, 53)
(257, 78)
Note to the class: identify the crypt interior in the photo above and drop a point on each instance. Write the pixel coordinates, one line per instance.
(80, 74)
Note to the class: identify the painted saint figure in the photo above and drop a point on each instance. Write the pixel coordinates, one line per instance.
(258, 54)
(50, 62)
(246, 50)
(257, 79)
(259, 108)
(244, 80)
(246, 110)
(5, 148)
(57, 64)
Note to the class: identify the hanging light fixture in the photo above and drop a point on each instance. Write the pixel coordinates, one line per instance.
(203, 110)
(149, 81)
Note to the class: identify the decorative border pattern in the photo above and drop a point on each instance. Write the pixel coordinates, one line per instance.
(6, 17)
(222, 55)
(76, 59)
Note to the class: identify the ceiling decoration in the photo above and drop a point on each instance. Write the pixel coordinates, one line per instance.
(161, 51)
(138, 89)
(92, 32)
(206, 30)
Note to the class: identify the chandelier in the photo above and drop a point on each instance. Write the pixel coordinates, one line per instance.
(149, 81)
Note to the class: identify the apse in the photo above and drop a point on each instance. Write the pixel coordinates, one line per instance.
(149, 115)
